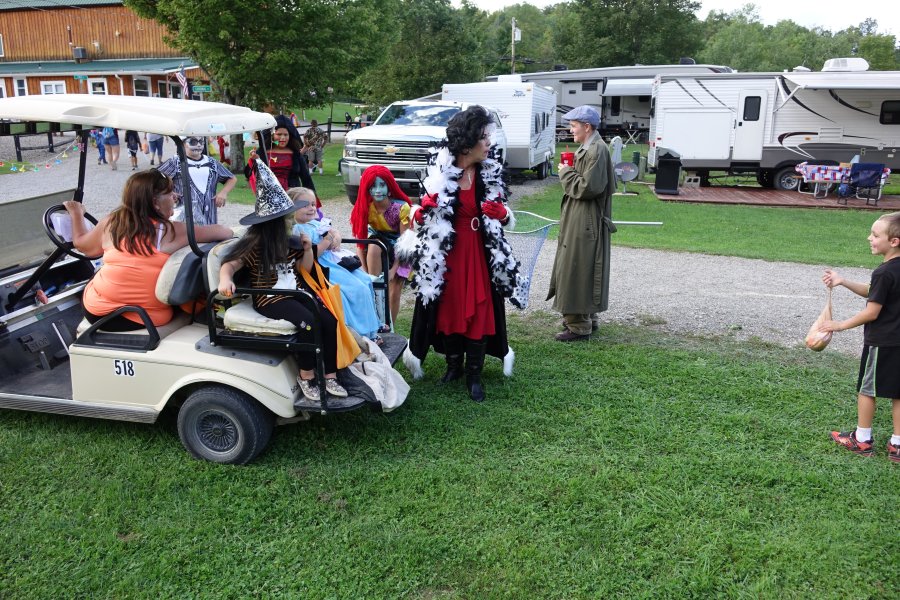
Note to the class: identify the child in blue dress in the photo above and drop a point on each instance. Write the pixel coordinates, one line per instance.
(356, 285)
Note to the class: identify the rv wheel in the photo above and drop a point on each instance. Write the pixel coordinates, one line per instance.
(543, 169)
(223, 425)
(787, 178)
(765, 178)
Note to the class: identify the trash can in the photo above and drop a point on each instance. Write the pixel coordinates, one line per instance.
(668, 172)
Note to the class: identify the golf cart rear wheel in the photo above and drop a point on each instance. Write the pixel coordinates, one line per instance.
(223, 425)
(787, 178)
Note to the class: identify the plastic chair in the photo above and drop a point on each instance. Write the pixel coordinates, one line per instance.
(864, 182)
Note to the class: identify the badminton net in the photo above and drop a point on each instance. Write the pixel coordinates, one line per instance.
(526, 241)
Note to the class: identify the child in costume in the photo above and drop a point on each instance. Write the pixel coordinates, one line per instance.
(206, 173)
(879, 367)
(356, 286)
(274, 257)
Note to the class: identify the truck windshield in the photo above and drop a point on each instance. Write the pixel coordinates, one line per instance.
(407, 114)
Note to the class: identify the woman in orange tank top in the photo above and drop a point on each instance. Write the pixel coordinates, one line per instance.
(135, 240)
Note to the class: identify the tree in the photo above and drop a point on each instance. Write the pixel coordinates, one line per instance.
(266, 54)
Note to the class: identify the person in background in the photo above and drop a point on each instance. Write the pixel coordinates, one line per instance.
(206, 173)
(155, 142)
(223, 150)
(274, 257)
(111, 142)
(879, 366)
(135, 240)
(579, 282)
(463, 264)
(314, 144)
(133, 143)
(101, 149)
(284, 153)
(348, 120)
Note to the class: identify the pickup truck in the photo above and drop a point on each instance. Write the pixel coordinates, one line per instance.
(402, 139)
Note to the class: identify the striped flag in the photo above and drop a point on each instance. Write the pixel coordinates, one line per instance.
(185, 86)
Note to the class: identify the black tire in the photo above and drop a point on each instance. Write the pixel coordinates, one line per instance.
(765, 178)
(543, 169)
(786, 178)
(223, 425)
(352, 191)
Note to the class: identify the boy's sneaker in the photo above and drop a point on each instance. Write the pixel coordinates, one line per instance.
(848, 440)
(893, 452)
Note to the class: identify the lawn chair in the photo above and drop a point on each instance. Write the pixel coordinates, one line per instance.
(865, 181)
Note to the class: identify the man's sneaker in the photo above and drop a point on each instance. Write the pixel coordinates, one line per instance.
(848, 440)
(893, 452)
(309, 389)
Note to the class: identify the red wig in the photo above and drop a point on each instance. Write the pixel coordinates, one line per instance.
(359, 218)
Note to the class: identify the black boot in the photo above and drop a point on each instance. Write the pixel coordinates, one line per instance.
(453, 345)
(474, 364)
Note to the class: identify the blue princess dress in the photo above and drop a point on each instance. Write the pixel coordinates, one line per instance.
(356, 286)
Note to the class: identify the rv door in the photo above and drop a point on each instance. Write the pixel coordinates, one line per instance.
(750, 125)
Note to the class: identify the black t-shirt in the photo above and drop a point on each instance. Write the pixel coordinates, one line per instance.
(885, 290)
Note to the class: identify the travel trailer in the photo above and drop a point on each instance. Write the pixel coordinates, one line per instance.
(620, 94)
(527, 111)
(768, 123)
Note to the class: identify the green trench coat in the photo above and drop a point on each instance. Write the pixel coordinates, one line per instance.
(579, 283)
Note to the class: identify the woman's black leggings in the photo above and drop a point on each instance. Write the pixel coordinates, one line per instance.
(298, 314)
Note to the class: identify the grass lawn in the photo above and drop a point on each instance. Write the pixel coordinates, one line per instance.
(661, 468)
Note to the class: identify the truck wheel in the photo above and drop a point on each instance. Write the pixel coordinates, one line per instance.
(765, 178)
(543, 169)
(786, 178)
(352, 191)
(223, 425)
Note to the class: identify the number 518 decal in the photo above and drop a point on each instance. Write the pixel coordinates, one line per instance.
(123, 367)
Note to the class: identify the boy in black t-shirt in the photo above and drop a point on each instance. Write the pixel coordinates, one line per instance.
(879, 367)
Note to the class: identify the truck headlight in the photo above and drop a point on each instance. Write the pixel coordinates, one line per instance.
(348, 153)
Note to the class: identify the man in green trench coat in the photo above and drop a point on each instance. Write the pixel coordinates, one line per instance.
(579, 283)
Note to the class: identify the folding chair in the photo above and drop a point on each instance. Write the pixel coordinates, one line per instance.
(865, 182)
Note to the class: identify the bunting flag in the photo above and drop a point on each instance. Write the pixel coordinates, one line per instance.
(21, 167)
(185, 86)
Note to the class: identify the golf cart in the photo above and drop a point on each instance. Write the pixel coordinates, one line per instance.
(230, 382)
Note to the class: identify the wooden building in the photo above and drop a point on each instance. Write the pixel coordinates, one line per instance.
(87, 47)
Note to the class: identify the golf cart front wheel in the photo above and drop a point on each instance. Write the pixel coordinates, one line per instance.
(223, 425)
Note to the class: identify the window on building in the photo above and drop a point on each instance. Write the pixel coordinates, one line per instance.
(21, 87)
(751, 108)
(162, 89)
(53, 87)
(588, 86)
(142, 86)
(175, 90)
(97, 87)
(1, 44)
(890, 113)
(2, 89)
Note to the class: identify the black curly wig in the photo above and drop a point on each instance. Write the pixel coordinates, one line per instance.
(465, 129)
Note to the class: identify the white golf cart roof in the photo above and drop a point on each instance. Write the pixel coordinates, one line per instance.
(165, 116)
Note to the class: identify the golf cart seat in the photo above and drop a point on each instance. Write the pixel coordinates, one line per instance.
(179, 283)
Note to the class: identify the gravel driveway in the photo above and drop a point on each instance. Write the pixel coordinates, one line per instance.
(677, 292)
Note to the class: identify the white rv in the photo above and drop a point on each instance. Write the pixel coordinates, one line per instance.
(527, 111)
(769, 122)
(620, 94)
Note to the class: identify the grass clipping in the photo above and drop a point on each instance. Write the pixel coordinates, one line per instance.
(817, 340)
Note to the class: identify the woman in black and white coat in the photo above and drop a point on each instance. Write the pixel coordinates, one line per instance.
(463, 265)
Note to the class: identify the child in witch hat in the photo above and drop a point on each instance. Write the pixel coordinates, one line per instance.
(273, 257)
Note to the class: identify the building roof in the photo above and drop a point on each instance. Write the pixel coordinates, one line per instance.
(130, 66)
(45, 4)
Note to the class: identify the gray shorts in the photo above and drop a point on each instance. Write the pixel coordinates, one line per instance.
(879, 372)
(314, 156)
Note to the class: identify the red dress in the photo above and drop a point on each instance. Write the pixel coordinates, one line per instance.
(281, 164)
(465, 305)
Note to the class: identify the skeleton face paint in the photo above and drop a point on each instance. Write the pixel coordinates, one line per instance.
(193, 147)
(379, 189)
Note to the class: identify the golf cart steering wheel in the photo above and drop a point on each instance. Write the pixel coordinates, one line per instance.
(59, 242)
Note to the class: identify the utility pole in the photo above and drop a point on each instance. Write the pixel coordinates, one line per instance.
(512, 61)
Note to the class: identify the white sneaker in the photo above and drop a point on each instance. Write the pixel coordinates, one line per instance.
(309, 388)
(320, 171)
(335, 389)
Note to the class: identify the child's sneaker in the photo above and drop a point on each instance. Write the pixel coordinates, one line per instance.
(335, 389)
(309, 389)
(848, 440)
(893, 452)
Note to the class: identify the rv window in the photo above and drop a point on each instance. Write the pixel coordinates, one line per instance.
(751, 108)
(573, 91)
(643, 99)
(890, 113)
(588, 86)
(615, 105)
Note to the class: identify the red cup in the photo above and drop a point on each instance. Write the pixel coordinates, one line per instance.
(567, 158)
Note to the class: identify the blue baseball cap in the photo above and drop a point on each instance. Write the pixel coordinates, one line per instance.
(585, 114)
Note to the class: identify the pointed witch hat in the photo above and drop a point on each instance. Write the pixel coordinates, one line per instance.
(272, 201)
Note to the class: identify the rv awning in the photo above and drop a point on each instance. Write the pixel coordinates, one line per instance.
(628, 87)
(845, 81)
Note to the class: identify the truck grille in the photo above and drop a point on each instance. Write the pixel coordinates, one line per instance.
(384, 157)
(397, 143)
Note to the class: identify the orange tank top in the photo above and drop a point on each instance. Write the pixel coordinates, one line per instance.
(128, 279)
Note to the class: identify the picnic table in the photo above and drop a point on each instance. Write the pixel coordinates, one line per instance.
(824, 177)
